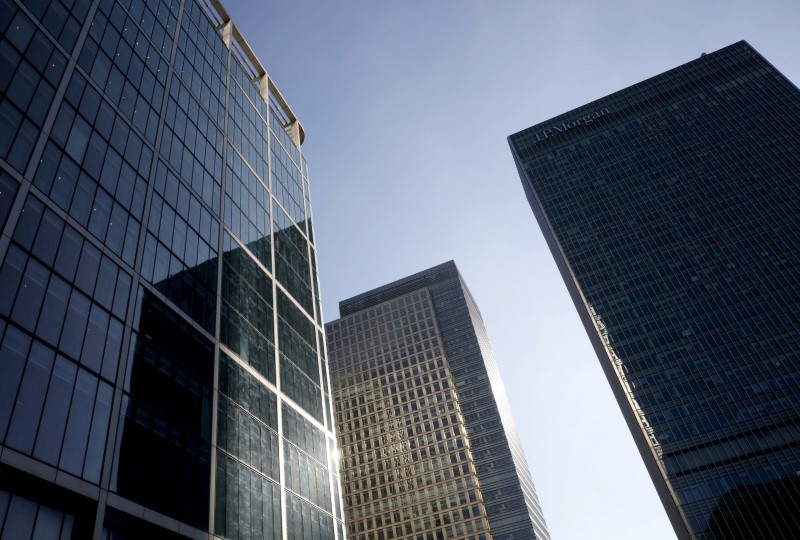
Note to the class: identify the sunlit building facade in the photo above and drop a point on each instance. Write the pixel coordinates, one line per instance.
(162, 366)
(672, 209)
(428, 446)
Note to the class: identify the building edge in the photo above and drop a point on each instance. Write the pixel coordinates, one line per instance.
(431, 279)
(396, 288)
(651, 462)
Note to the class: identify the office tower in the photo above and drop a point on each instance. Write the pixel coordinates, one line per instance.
(162, 368)
(429, 449)
(672, 209)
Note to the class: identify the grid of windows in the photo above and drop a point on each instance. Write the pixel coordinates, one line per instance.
(247, 315)
(144, 254)
(449, 322)
(407, 469)
(68, 293)
(299, 362)
(248, 505)
(246, 391)
(287, 186)
(23, 519)
(677, 215)
(94, 168)
(291, 258)
(65, 426)
(31, 67)
(180, 248)
(307, 522)
(127, 66)
(8, 190)
(247, 208)
(61, 19)
(192, 144)
(304, 434)
(246, 437)
(247, 127)
(166, 415)
(200, 62)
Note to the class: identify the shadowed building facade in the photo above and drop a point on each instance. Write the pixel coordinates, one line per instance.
(672, 209)
(429, 449)
(162, 366)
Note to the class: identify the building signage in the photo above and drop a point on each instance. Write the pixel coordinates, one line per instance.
(566, 126)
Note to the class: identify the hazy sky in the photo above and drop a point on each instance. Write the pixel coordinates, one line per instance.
(406, 107)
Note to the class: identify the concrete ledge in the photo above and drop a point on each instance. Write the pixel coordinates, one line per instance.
(77, 485)
(124, 505)
(191, 532)
(161, 520)
(28, 464)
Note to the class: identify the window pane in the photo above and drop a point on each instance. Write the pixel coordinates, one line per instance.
(106, 281)
(75, 325)
(92, 353)
(82, 203)
(56, 407)
(31, 294)
(13, 353)
(22, 85)
(101, 211)
(97, 437)
(111, 354)
(80, 416)
(87, 269)
(78, 139)
(121, 294)
(5, 497)
(8, 188)
(10, 117)
(28, 222)
(21, 518)
(46, 243)
(53, 310)
(10, 276)
(22, 431)
(69, 253)
(48, 524)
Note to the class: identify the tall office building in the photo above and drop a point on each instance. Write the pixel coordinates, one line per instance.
(672, 209)
(162, 368)
(429, 449)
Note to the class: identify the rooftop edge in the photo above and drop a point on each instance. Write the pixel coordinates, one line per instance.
(233, 38)
(397, 288)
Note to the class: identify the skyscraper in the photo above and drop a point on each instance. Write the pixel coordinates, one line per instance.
(162, 368)
(429, 447)
(672, 209)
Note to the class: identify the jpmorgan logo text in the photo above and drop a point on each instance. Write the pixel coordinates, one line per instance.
(566, 126)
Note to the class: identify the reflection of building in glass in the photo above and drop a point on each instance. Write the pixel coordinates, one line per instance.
(429, 447)
(150, 387)
(767, 510)
(673, 211)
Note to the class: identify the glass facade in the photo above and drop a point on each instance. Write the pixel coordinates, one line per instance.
(428, 449)
(673, 211)
(23, 519)
(162, 363)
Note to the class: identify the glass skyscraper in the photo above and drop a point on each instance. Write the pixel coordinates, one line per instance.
(672, 209)
(429, 449)
(162, 366)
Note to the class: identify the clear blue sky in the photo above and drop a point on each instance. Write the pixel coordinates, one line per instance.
(406, 107)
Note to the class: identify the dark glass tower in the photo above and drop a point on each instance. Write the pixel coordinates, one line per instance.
(672, 209)
(429, 447)
(162, 367)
